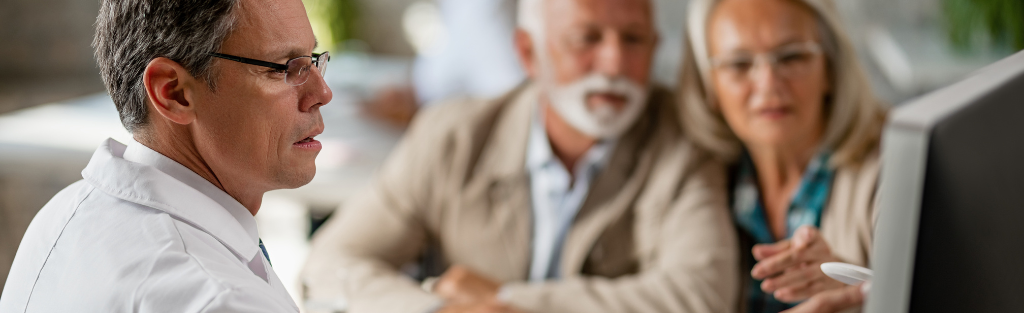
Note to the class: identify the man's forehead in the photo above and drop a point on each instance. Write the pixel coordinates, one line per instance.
(622, 12)
(273, 29)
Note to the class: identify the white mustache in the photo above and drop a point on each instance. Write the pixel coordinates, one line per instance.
(622, 86)
(602, 120)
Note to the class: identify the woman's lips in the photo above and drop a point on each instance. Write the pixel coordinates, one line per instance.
(774, 113)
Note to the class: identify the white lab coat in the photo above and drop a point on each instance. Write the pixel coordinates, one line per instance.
(142, 233)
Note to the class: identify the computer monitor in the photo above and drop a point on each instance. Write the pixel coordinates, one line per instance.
(950, 231)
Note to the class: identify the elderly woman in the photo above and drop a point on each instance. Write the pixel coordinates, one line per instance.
(774, 88)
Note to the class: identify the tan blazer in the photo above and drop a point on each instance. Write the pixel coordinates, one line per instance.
(848, 220)
(654, 233)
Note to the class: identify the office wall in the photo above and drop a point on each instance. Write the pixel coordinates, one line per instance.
(45, 52)
(380, 26)
(29, 177)
(45, 56)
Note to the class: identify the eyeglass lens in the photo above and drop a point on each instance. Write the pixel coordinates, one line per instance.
(790, 62)
(298, 68)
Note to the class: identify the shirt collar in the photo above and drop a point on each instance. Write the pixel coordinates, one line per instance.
(539, 154)
(139, 153)
(150, 179)
(806, 205)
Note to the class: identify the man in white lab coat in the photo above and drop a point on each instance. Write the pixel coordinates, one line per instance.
(222, 98)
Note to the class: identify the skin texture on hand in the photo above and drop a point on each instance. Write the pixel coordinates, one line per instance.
(833, 301)
(465, 291)
(477, 308)
(791, 269)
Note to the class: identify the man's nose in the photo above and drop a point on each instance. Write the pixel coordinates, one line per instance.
(318, 93)
(609, 59)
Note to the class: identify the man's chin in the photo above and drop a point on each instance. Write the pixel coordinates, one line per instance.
(297, 177)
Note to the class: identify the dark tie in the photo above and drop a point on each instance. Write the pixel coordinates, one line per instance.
(264, 249)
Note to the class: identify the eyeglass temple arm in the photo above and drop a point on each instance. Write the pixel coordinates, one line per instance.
(255, 62)
(316, 57)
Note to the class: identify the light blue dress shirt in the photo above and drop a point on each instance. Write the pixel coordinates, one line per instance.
(556, 196)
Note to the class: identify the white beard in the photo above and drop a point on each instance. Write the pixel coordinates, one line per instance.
(603, 122)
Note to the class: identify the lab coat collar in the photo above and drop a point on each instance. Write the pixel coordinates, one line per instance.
(137, 174)
(139, 153)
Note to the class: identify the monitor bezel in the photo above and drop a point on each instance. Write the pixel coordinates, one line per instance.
(901, 184)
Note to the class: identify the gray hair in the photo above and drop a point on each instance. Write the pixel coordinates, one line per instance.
(854, 117)
(131, 33)
(530, 17)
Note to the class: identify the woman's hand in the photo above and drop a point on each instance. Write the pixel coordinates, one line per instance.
(791, 269)
(834, 301)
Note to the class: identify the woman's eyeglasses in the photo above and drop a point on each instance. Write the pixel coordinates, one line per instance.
(297, 68)
(789, 61)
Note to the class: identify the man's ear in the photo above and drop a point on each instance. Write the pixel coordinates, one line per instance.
(167, 84)
(526, 50)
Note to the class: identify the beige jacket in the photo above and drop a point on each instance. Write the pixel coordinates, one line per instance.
(654, 234)
(848, 220)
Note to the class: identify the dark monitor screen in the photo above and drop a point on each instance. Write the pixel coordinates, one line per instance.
(950, 235)
(970, 247)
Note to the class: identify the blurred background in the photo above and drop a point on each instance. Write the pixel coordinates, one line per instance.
(389, 58)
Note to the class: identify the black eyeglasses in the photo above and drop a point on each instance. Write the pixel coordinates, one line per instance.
(297, 68)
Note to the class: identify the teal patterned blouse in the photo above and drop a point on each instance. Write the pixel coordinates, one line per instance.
(804, 209)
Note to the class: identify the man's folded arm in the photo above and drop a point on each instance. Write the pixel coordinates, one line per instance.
(357, 256)
(694, 269)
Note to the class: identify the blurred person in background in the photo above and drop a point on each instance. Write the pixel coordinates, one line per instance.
(774, 88)
(223, 100)
(474, 56)
(572, 193)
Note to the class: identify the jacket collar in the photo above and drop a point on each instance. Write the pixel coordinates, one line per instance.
(615, 189)
(510, 134)
(503, 160)
(137, 174)
(502, 173)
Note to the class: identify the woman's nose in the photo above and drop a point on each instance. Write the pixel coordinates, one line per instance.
(765, 76)
(767, 85)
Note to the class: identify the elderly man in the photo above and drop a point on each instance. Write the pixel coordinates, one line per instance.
(574, 192)
(222, 98)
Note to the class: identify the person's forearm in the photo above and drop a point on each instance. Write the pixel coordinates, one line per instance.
(661, 292)
(373, 287)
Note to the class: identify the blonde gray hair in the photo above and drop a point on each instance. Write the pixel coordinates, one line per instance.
(854, 118)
